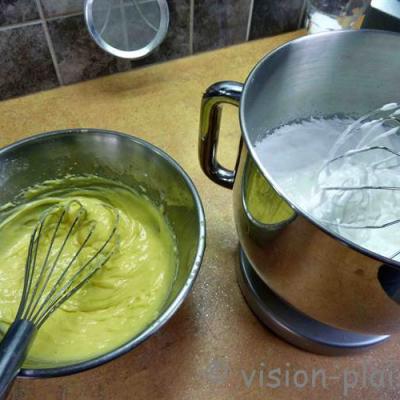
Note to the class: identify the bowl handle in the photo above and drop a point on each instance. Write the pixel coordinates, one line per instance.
(226, 92)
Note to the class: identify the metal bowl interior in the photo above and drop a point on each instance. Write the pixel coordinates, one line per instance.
(133, 162)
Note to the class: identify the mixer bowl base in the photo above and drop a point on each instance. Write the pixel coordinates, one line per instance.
(292, 325)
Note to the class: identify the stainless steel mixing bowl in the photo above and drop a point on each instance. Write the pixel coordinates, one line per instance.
(326, 277)
(133, 162)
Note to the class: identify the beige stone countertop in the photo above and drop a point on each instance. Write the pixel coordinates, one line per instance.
(214, 345)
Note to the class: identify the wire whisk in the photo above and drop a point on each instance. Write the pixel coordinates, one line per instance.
(64, 253)
(360, 171)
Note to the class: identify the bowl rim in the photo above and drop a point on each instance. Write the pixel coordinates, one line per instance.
(165, 316)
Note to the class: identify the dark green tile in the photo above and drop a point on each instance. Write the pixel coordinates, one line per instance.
(54, 8)
(275, 16)
(219, 23)
(17, 11)
(25, 63)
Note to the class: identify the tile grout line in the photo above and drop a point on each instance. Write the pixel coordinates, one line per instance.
(20, 25)
(249, 20)
(39, 20)
(191, 26)
(49, 42)
(302, 15)
(73, 14)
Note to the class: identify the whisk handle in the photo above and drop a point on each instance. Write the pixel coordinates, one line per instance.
(13, 350)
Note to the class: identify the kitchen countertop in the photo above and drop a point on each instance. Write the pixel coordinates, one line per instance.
(213, 346)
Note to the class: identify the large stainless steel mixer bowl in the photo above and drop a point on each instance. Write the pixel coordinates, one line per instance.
(320, 274)
(133, 162)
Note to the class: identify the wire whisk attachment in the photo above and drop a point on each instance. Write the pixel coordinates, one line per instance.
(66, 249)
(360, 177)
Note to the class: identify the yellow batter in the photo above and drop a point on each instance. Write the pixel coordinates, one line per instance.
(121, 299)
